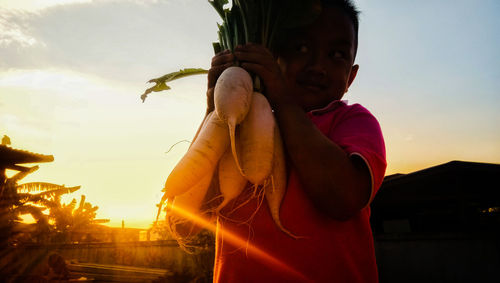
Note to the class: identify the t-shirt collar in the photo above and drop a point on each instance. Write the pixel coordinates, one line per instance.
(330, 107)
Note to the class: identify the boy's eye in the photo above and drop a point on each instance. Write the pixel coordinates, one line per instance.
(336, 54)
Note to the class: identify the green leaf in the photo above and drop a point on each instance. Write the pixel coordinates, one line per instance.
(217, 47)
(219, 6)
(14, 179)
(161, 82)
(251, 17)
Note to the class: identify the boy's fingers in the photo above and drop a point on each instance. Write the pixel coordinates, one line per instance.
(256, 69)
(226, 51)
(218, 69)
(223, 58)
(262, 60)
(254, 57)
(214, 73)
(255, 53)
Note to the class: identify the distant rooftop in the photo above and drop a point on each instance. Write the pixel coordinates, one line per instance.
(454, 196)
(11, 156)
(455, 170)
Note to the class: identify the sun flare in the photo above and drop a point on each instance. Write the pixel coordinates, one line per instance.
(237, 241)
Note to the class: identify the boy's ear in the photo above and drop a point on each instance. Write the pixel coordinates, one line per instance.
(352, 76)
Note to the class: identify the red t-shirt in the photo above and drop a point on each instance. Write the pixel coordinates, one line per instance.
(331, 251)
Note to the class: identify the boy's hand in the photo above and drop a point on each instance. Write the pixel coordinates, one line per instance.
(259, 60)
(220, 62)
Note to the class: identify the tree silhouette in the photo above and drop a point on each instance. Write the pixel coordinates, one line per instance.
(34, 198)
(30, 198)
(73, 222)
(13, 204)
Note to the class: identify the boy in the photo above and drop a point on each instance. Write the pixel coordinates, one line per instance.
(335, 154)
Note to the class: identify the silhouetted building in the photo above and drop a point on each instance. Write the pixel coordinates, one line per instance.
(440, 224)
(10, 158)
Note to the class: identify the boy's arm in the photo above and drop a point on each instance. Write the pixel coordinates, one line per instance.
(337, 184)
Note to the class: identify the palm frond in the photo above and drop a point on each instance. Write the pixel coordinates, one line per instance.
(16, 178)
(71, 205)
(35, 211)
(38, 199)
(58, 192)
(46, 187)
(82, 202)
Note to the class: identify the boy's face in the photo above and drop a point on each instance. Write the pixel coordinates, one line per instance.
(317, 60)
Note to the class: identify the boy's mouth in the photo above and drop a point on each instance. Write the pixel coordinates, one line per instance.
(312, 86)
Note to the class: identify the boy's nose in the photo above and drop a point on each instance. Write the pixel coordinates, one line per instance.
(316, 66)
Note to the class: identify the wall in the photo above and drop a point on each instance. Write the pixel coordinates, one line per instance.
(155, 254)
(438, 258)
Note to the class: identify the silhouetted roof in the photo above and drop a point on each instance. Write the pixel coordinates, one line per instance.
(11, 156)
(470, 181)
(450, 167)
(448, 197)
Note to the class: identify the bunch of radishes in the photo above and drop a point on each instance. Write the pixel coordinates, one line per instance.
(252, 154)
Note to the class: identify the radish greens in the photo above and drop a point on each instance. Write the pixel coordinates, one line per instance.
(255, 21)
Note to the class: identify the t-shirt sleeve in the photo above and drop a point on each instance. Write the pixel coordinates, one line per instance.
(359, 133)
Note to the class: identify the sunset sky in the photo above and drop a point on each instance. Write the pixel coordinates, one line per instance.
(72, 72)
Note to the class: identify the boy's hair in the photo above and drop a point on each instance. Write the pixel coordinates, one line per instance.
(351, 11)
(347, 6)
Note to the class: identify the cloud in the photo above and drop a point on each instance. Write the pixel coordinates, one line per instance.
(14, 32)
(19, 47)
(33, 5)
(126, 40)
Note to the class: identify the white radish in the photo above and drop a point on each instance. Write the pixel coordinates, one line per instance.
(186, 207)
(201, 158)
(232, 99)
(231, 182)
(275, 188)
(256, 141)
(233, 95)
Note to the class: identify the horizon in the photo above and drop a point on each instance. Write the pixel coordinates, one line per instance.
(144, 225)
